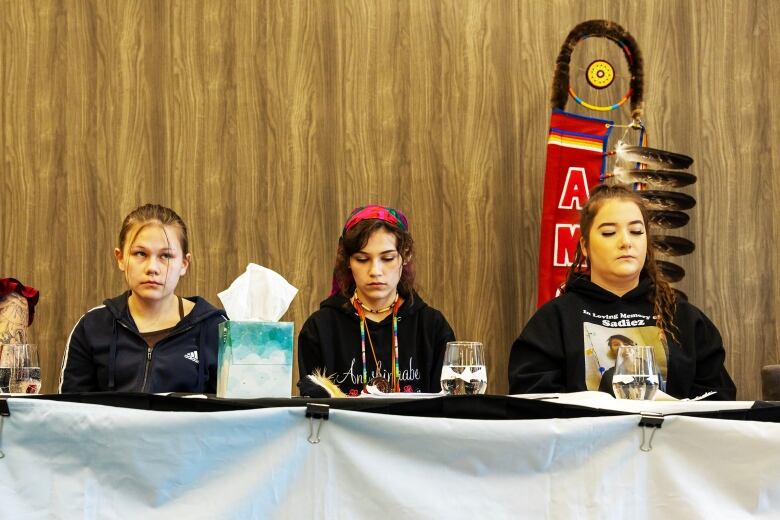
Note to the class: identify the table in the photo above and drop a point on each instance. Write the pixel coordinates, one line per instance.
(131, 457)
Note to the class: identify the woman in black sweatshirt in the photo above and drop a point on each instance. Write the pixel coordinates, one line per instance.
(374, 329)
(613, 288)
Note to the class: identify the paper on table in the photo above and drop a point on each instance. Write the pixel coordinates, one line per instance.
(374, 392)
(603, 400)
(700, 397)
(663, 396)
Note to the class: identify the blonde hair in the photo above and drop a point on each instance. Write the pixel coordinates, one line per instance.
(153, 214)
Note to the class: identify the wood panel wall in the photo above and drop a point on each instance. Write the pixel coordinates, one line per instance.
(264, 122)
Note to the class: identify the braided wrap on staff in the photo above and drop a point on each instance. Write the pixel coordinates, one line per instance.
(602, 29)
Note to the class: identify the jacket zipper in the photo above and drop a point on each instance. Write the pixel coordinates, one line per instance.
(146, 369)
(149, 349)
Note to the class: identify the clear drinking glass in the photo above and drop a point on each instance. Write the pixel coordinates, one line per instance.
(20, 370)
(464, 372)
(636, 374)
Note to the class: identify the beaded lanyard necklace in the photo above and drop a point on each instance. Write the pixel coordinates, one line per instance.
(380, 382)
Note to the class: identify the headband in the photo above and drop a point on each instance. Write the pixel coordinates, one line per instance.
(390, 215)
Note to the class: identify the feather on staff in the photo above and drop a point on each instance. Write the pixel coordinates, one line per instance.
(673, 246)
(651, 156)
(668, 219)
(667, 200)
(669, 271)
(657, 178)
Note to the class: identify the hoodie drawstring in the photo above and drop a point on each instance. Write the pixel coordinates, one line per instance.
(202, 378)
(112, 359)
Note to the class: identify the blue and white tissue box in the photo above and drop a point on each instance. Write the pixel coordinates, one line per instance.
(255, 359)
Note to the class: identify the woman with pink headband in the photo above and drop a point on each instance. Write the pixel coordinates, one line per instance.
(374, 329)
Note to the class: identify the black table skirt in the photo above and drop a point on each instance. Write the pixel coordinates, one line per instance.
(485, 407)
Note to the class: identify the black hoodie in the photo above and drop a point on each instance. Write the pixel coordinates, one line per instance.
(564, 345)
(105, 352)
(330, 341)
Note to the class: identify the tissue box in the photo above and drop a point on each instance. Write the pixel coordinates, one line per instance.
(255, 359)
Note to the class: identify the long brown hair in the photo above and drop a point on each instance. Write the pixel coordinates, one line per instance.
(356, 238)
(662, 296)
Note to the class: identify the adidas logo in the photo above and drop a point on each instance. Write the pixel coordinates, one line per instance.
(192, 356)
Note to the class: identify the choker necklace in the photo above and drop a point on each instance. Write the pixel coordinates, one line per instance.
(375, 311)
(382, 384)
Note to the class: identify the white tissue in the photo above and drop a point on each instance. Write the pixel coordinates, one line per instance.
(259, 294)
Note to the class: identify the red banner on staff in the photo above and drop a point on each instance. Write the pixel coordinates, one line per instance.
(575, 163)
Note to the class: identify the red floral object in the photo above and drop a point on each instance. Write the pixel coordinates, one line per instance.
(10, 285)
